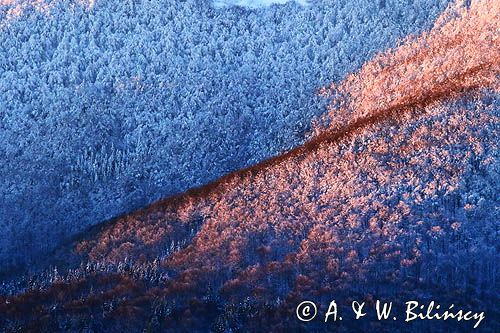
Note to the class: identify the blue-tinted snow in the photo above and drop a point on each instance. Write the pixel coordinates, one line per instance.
(108, 108)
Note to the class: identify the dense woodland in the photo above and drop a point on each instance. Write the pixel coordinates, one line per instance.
(107, 106)
(393, 195)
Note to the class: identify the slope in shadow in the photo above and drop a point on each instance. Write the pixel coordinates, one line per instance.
(391, 197)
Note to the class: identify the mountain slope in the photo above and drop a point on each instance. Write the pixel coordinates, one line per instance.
(107, 106)
(454, 60)
(395, 195)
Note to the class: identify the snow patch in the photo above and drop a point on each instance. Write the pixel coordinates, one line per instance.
(254, 3)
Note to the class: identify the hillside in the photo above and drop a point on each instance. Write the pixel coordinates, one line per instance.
(393, 195)
(107, 106)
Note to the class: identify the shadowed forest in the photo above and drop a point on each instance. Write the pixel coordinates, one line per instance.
(391, 193)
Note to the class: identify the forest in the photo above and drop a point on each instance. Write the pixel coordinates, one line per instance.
(107, 106)
(392, 194)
